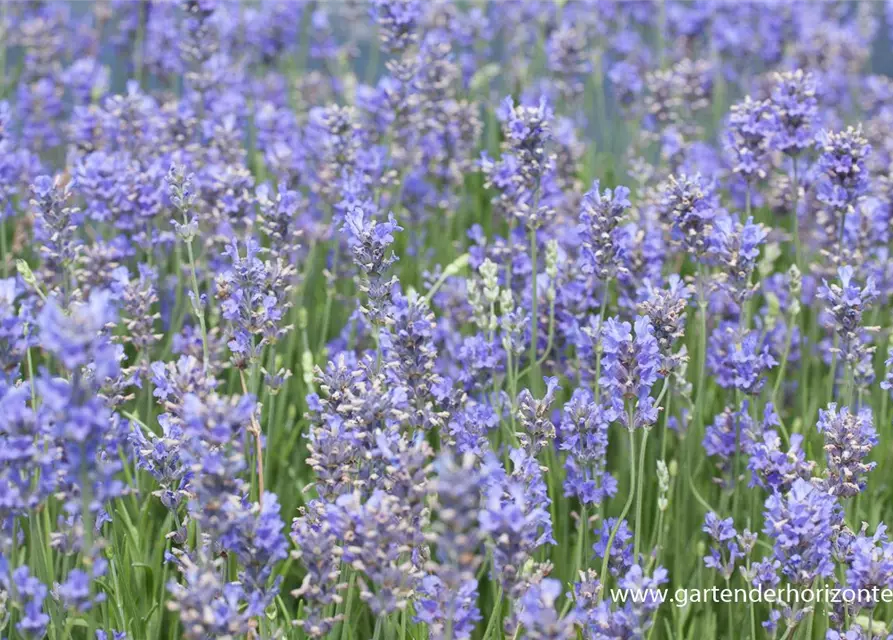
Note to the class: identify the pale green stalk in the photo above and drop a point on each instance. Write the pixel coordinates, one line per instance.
(603, 574)
(639, 492)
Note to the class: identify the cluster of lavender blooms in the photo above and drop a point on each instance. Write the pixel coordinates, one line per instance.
(375, 319)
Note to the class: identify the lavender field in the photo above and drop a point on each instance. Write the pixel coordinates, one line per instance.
(446, 319)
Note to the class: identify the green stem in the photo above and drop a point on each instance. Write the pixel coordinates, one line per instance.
(348, 604)
(664, 428)
(549, 341)
(700, 407)
(639, 492)
(581, 529)
(795, 189)
(330, 294)
(832, 373)
(598, 351)
(784, 361)
(789, 632)
(603, 574)
(196, 302)
(87, 523)
(494, 617)
(270, 422)
(3, 248)
(812, 621)
(534, 317)
(731, 621)
(258, 443)
(736, 462)
(752, 612)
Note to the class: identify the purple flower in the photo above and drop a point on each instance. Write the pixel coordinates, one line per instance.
(160, 455)
(795, 109)
(846, 304)
(14, 334)
(689, 211)
(524, 174)
(673, 98)
(76, 593)
(86, 433)
(29, 593)
(515, 515)
(648, 587)
(735, 249)
(79, 338)
(410, 356)
(215, 429)
(719, 530)
(774, 469)
(207, 606)
(450, 590)
(621, 558)
(600, 215)
(334, 441)
(849, 438)
(370, 242)
(28, 454)
(568, 59)
(398, 22)
(870, 566)
(438, 604)
(357, 402)
(631, 367)
(526, 127)
(725, 551)
(665, 308)
(278, 217)
(765, 573)
(55, 224)
(481, 358)
(801, 523)
(747, 138)
(536, 613)
(887, 382)
(738, 358)
(855, 632)
(470, 425)
(254, 298)
(731, 433)
(627, 78)
(606, 619)
(538, 431)
(583, 433)
(262, 547)
(844, 172)
(336, 137)
(380, 533)
(173, 381)
(846, 301)
(400, 465)
(139, 297)
(641, 252)
(41, 99)
(318, 537)
(182, 194)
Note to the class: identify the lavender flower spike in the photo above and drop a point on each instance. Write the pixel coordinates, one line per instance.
(849, 438)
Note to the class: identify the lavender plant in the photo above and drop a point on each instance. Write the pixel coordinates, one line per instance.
(312, 326)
